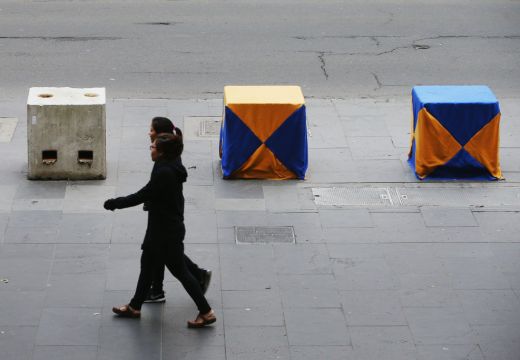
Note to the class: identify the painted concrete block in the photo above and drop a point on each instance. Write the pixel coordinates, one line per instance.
(66, 130)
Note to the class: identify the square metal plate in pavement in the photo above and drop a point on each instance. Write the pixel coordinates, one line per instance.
(264, 235)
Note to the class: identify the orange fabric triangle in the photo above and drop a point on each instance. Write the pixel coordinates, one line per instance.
(435, 146)
(263, 119)
(483, 146)
(263, 165)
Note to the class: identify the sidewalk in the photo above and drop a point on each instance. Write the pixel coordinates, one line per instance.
(430, 276)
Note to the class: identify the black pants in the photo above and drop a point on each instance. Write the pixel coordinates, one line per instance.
(172, 256)
(158, 278)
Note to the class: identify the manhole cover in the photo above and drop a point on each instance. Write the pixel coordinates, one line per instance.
(353, 196)
(264, 235)
(7, 128)
(203, 128)
(209, 127)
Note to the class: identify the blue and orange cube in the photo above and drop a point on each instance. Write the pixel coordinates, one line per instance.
(264, 133)
(455, 133)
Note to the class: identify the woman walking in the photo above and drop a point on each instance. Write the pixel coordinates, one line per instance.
(163, 241)
(162, 125)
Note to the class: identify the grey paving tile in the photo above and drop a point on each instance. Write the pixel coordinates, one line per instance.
(498, 341)
(81, 198)
(372, 308)
(322, 352)
(81, 259)
(41, 190)
(8, 191)
(355, 251)
(507, 256)
(364, 126)
(503, 226)
(134, 137)
(351, 235)
(372, 147)
(129, 341)
(123, 267)
(457, 235)
(86, 228)
(176, 333)
(69, 326)
(199, 198)
(475, 274)
(142, 112)
(201, 227)
(65, 352)
(490, 307)
(325, 130)
(21, 308)
(254, 316)
(449, 352)
(241, 218)
(281, 198)
(239, 189)
(447, 217)
(308, 281)
(417, 266)
(301, 259)
(346, 218)
(26, 219)
(195, 352)
(75, 291)
(388, 220)
(25, 273)
(129, 227)
(429, 297)
(254, 298)
(364, 274)
(376, 170)
(226, 235)
(382, 342)
(316, 327)
(256, 343)
(17, 342)
(330, 160)
(31, 235)
(436, 326)
(310, 298)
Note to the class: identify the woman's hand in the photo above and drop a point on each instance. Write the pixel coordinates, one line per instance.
(110, 204)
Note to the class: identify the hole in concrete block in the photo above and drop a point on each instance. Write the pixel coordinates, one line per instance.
(90, 95)
(85, 156)
(45, 95)
(49, 157)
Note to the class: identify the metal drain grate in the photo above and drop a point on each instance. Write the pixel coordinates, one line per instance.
(264, 235)
(209, 127)
(417, 196)
(362, 196)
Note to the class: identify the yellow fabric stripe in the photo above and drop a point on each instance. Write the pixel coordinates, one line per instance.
(483, 146)
(263, 95)
(263, 165)
(434, 144)
(263, 119)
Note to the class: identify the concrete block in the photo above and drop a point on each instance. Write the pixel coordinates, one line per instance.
(66, 133)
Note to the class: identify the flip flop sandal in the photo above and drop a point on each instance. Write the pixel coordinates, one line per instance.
(202, 320)
(126, 311)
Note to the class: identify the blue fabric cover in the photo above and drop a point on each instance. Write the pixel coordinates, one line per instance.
(456, 109)
(243, 149)
(291, 135)
(461, 166)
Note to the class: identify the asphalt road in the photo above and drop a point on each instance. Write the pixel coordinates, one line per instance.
(191, 49)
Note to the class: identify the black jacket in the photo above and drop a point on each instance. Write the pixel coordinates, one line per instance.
(164, 201)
